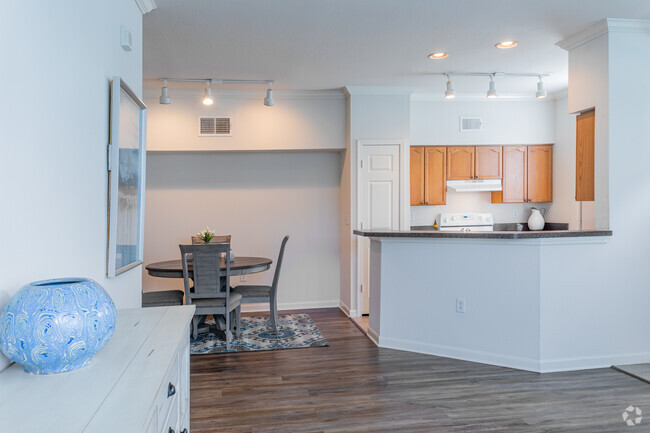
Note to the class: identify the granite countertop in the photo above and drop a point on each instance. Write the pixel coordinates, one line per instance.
(502, 231)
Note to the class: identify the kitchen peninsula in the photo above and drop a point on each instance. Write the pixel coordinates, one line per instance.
(500, 297)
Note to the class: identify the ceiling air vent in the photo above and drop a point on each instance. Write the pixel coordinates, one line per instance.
(214, 126)
(470, 124)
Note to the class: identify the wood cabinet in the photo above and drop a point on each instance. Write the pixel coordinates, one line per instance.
(473, 162)
(585, 134)
(540, 174)
(527, 175)
(428, 175)
(460, 162)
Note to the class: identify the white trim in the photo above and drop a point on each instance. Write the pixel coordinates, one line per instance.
(344, 308)
(403, 203)
(608, 25)
(377, 90)
(264, 306)
(570, 364)
(146, 6)
(373, 336)
(519, 363)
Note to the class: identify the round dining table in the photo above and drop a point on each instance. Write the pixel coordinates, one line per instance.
(239, 266)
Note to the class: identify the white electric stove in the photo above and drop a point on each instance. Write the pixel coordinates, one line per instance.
(466, 222)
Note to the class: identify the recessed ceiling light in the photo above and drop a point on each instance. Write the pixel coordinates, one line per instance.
(506, 44)
(438, 55)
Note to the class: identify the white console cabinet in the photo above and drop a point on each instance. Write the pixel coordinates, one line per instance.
(139, 383)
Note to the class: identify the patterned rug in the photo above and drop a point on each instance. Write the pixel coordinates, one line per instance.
(294, 331)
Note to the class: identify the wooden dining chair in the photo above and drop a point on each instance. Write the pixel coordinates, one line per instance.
(206, 294)
(253, 294)
(215, 240)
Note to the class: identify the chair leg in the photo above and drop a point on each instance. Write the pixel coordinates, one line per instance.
(195, 327)
(227, 331)
(273, 309)
(238, 321)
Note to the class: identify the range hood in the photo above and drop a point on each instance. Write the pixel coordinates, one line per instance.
(475, 185)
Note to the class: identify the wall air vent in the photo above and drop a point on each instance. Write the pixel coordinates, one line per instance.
(470, 124)
(214, 127)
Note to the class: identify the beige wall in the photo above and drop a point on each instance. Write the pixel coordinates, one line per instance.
(257, 197)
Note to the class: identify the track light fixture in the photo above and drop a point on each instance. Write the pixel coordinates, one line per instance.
(164, 97)
(492, 91)
(268, 101)
(450, 92)
(208, 99)
(541, 91)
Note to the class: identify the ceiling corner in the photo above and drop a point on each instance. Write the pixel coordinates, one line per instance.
(146, 6)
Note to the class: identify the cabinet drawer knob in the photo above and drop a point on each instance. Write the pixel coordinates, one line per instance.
(171, 390)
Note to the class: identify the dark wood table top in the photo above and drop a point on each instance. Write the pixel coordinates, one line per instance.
(240, 266)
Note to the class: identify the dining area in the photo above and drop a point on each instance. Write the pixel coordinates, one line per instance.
(206, 266)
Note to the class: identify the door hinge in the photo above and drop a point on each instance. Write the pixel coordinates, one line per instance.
(361, 163)
(361, 288)
(361, 225)
(109, 151)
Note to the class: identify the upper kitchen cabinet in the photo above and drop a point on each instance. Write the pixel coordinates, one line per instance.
(540, 174)
(460, 162)
(474, 162)
(488, 162)
(428, 176)
(527, 175)
(417, 176)
(585, 132)
(435, 175)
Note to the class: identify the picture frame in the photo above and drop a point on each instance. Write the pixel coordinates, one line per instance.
(126, 179)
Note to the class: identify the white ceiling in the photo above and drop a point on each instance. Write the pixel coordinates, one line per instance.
(328, 44)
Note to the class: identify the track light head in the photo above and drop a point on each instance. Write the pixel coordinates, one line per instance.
(164, 97)
(450, 93)
(541, 91)
(492, 91)
(208, 99)
(268, 101)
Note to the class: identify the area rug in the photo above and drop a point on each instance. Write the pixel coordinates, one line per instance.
(294, 331)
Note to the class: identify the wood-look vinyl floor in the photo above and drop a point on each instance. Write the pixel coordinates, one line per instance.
(353, 386)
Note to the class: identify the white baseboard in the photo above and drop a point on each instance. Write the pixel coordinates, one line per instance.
(529, 364)
(344, 308)
(374, 336)
(263, 306)
(460, 353)
(570, 364)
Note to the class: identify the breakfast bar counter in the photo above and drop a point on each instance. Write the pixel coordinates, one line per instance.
(507, 298)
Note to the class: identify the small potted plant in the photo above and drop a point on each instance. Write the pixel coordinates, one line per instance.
(206, 235)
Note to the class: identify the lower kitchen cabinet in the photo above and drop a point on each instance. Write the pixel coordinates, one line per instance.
(138, 383)
(428, 175)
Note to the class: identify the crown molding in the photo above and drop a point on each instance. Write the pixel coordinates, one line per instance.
(146, 6)
(377, 91)
(607, 25)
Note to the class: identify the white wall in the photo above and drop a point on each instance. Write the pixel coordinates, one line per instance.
(56, 73)
(378, 116)
(257, 197)
(297, 121)
(514, 122)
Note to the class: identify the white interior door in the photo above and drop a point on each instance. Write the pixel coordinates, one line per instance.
(378, 197)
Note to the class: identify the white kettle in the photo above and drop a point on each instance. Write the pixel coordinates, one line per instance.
(536, 219)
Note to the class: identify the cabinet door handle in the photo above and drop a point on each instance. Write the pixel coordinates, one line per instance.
(171, 390)
(427, 202)
(171, 430)
(421, 202)
(476, 177)
(184, 431)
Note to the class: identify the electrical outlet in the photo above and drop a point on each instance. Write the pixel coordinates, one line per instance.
(460, 305)
(242, 278)
(515, 213)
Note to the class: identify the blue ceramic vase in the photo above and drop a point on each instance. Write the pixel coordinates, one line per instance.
(53, 326)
